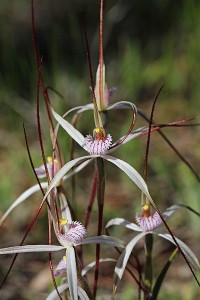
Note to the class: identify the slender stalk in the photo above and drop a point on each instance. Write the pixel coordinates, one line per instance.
(100, 199)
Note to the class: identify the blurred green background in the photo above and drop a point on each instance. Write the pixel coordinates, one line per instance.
(146, 44)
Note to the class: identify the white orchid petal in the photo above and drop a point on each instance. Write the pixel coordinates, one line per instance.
(130, 137)
(123, 259)
(186, 250)
(125, 167)
(61, 288)
(131, 173)
(63, 171)
(82, 294)
(70, 129)
(103, 239)
(171, 210)
(72, 273)
(122, 105)
(123, 222)
(77, 169)
(23, 197)
(30, 248)
(87, 268)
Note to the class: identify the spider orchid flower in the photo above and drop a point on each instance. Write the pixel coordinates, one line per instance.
(148, 224)
(52, 167)
(146, 220)
(99, 143)
(70, 235)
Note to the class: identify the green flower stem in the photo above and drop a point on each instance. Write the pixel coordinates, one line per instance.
(100, 198)
(148, 270)
(162, 275)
